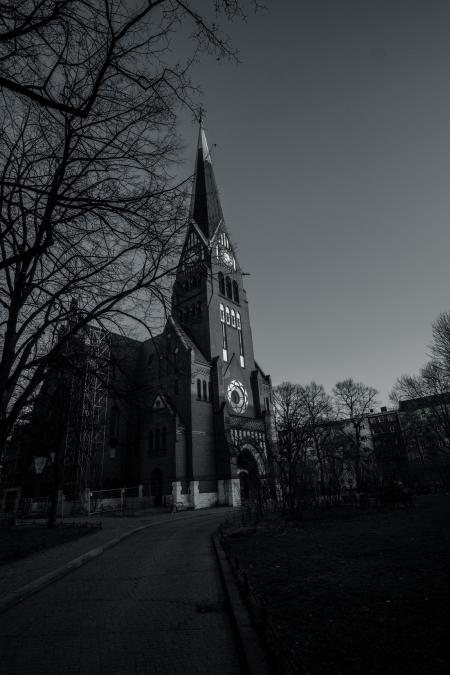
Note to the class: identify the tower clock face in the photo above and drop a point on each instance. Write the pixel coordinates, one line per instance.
(227, 258)
(237, 396)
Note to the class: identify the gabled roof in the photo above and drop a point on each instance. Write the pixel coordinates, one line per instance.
(206, 210)
(188, 342)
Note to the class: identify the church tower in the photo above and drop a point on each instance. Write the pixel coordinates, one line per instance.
(209, 304)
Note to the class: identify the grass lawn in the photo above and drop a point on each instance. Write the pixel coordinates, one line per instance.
(20, 541)
(356, 591)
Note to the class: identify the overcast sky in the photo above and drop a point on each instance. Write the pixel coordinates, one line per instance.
(333, 163)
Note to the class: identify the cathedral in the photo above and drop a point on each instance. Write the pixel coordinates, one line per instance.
(188, 414)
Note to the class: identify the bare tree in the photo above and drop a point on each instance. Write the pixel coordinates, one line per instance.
(353, 401)
(318, 413)
(291, 424)
(424, 401)
(440, 345)
(60, 53)
(89, 205)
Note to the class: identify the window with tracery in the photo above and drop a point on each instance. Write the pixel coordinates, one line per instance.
(229, 288)
(235, 292)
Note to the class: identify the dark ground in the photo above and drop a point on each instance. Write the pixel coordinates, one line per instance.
(22, 540)
(356, 591)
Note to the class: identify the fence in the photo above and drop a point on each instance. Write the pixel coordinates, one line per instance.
(89, 502)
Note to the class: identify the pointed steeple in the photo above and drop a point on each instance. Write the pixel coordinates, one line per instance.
(205, 203)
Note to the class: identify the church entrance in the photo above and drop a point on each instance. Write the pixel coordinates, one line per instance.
(247, 470)
(156, 486)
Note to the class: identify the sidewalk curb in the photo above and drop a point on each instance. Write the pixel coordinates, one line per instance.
(256, 660)
(10, 599)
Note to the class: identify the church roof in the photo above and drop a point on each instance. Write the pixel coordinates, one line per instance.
(188, 342)
(205, 203)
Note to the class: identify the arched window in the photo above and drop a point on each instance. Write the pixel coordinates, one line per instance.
(229, 290)
(205, 391)
(222, 313)
(221, 283)
(164, 439)
(199, 389)
(150, 441)
(157, 440)
(233, 318)
(235, 292)
(227, 314)
(238, 321)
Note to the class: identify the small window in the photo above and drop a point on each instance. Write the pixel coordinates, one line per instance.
(221, 283)
(227, 314)
(222, 313)
(235, 292)
(205, 391)
(193, 310)
(229, 289)
(199, 389)
(238, 321)
(233, 318)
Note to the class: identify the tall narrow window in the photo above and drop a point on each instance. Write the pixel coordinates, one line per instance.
(241, 350)
(157, 440)
(227, 314)
(229, 289)
(164, 439)
(199, 389)
(222, 313)
(221, 283)
(205, 391)
(238, 321)
(224, 343)
(235, 292)
(233, 318)
(192, 310)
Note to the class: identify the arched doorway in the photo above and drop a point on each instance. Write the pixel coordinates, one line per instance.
(247, 470)
(156, 480)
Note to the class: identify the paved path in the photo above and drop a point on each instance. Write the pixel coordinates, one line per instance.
(152, 604)
(16, 574)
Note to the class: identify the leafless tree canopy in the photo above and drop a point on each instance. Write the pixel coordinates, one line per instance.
(89, 205)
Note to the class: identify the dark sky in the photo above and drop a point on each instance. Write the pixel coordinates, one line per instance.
(333, 162)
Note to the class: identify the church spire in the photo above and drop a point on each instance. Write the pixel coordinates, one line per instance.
(205, 204)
